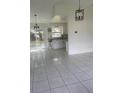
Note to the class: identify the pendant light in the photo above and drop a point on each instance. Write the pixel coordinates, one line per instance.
(36, 27)
(79, 13)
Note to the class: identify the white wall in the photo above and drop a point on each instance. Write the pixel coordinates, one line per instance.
(83, 40)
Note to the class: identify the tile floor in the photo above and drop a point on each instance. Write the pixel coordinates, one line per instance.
(53, 71)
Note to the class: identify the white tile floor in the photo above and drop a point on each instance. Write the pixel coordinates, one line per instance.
(53, 71)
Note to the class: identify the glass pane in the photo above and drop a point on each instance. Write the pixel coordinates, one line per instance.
(56, 29)
(56, 35)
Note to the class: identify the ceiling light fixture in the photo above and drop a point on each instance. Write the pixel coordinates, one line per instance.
(79, 13)
(36, 27)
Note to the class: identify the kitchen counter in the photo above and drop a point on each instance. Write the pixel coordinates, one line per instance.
(58, 43)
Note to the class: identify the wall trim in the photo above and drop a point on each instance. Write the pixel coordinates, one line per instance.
(81, 52)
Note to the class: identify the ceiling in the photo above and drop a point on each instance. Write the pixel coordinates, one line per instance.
(47, 9)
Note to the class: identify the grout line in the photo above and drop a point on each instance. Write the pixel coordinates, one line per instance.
(63, 79)
(88, 79)
(78, 79)
(38, 68)
(78, 66)
(33, 76)
(75, 75)
(46, 72)
(61, 76)
(44, 57)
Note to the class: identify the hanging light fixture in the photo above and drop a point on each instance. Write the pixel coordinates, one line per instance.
(36, 27)
(79, 13)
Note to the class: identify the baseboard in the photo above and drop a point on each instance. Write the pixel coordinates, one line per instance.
(80, 52)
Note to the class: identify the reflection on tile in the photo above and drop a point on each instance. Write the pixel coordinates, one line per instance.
(54, 71)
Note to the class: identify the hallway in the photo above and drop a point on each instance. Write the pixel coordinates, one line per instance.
(54, 71)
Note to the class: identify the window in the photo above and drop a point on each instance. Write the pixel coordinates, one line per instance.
(57, 31)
